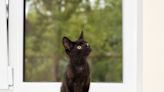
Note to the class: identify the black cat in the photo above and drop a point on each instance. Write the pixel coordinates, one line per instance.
(77, 75)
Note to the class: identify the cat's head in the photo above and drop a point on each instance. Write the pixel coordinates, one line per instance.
(79, 48)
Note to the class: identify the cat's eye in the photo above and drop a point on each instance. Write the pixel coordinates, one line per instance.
(79, 47)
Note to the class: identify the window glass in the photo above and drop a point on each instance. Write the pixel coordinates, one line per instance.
(48, 21)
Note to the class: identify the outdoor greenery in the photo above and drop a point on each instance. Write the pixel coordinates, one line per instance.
(47, 21)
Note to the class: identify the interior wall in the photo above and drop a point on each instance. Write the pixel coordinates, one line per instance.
(153, 45)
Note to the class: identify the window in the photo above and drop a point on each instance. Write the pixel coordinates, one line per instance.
(128, 80)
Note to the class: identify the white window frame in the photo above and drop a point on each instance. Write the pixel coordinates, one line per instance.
(3, 46)
(132, 52)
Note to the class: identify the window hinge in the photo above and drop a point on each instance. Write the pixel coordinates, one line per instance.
(7, 8)
(10, 68)
(10, 76)
(7, 13)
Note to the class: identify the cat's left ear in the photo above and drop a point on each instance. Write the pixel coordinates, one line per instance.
(67, 43)
(81, 36)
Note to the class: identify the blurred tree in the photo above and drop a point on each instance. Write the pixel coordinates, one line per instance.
(47, 21)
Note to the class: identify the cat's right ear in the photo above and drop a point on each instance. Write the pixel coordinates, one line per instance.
(67, 43)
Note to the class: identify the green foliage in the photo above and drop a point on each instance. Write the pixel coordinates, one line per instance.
(47, 21)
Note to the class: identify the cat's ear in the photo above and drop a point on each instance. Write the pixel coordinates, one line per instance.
(67, 43)
(81, 36)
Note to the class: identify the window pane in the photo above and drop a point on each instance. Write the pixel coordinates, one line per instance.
(48, 21)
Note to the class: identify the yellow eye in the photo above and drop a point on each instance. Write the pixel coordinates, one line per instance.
(79, 47)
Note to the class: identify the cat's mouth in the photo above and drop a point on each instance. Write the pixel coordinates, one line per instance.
(88, 51)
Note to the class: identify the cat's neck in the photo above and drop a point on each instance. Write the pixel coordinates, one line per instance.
(78, 60)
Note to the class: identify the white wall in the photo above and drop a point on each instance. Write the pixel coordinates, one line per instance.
(153, 63)
(153, 46)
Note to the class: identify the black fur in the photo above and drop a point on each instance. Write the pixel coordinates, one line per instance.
(77, 75)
